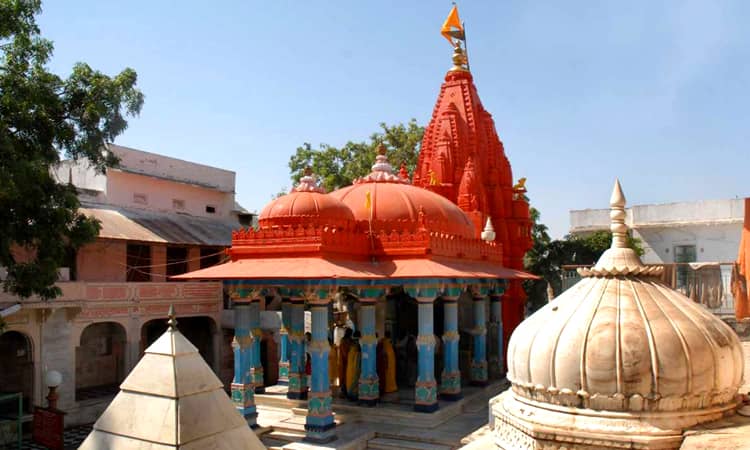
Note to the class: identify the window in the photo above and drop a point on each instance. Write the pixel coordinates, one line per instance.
(210, 209)
(683, 254)
(178, 204)
(138, 263)
(140, 199)
(176, 261)
(210, 256)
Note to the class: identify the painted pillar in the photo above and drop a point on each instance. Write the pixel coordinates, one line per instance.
(425, 391)
(495, 345)
(257, 336)
(368, 378)
(479, 357)
(243, 392)
(297, 377)
(286, 320)
(319, 424)
(450, 386)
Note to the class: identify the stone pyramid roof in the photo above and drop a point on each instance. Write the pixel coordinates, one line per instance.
(171, 400)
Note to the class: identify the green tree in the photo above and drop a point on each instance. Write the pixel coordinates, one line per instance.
(339, 167)
(42, 117)
(547, 257)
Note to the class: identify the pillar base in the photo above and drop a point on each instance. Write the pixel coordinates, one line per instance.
(426, 408)
(257, 374)
(297, 387)
(369, 390)
(479, 373)
(320, 434)
(243, 398)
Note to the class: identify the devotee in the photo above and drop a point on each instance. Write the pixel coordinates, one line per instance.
(343, 354)
(333, 362)
(386, 365)
(353, 368)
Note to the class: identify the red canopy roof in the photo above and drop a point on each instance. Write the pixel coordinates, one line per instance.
(314, 267)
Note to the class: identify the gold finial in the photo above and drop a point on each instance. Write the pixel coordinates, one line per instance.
(308, 171)
(617, 217)
(459, 60)
(172, 322)
(381, 149)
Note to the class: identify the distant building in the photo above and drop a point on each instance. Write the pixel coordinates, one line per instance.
(697, 242)
(160, 217)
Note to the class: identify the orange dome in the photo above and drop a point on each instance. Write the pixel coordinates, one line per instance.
(304, 204)
(398, 202)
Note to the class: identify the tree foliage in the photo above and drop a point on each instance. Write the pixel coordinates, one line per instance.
(44, 116)
(339, 167)
(548, 256)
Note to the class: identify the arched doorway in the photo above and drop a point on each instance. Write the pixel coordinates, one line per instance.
(16, 370)
(199, 331)
(100, 360)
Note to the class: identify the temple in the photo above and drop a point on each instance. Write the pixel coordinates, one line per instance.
(434, 262)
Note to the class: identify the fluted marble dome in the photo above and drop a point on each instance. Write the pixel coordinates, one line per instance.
(624, 350)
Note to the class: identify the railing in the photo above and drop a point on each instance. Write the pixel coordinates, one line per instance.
(709, 284)
(85, 291)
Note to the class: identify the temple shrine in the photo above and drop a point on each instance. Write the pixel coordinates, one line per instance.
(434, 262)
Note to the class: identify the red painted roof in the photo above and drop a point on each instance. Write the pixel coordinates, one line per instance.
(299, 207)
(329, 268)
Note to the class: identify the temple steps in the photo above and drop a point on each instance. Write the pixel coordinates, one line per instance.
(383, 443)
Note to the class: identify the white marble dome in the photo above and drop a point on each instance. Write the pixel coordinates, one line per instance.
(623, 351)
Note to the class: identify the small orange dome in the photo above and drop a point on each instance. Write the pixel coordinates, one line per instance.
(306, 203)
(400, 204)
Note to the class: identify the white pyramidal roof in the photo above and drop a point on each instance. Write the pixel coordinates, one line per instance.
(171, 400)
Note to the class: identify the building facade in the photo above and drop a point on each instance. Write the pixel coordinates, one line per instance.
(159, 217)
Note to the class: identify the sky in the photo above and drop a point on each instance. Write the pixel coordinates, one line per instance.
(653, 92)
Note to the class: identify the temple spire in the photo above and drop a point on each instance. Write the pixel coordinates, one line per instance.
(172, 322)
(617, 216)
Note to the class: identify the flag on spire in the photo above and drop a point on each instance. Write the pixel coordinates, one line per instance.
(452, 27)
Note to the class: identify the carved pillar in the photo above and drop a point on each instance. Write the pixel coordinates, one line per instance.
(450, 386)
(297, 376)
(319, 425)
(368, 378)
(257, 337)
(479, 332)
(425, 391)
(286, 321)
(495, 344)
(243, 392)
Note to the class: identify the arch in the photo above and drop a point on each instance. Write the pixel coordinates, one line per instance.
(100, 360)
(201, 331)
(16, 369)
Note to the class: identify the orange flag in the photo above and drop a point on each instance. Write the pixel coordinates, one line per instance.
(450, 23)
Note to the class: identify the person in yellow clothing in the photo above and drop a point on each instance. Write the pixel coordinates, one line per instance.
(333, 365)
(353, 368)
(386, 365)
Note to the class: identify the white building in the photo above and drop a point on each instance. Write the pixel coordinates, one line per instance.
(684, 232)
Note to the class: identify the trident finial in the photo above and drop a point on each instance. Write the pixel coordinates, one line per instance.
(172, 322)
(617, 216)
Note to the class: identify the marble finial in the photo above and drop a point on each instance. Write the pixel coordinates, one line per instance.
(617, 217)
(488, 234)
(172, 322)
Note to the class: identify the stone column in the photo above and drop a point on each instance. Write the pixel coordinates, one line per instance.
(243, 392)
(257, 336)
(319, 424)
(479, 332)
(286, 320)
(297, 377)
(495, 345)
(425, 391)
(368, 378)
(450, 386)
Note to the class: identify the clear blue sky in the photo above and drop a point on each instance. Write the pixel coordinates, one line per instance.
(655, 92)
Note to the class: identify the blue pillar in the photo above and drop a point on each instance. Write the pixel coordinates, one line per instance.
(479, 358)
(368, 378)
(319, 424)
(284, 341)
(450, 385)
(243, 392)
(495, 347)
(297, 376)
(257, 337)
(425, 392)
